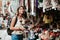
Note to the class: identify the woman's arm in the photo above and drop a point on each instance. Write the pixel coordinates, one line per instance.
(12, 25)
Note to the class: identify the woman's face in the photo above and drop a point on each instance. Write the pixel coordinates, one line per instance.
(21, 10)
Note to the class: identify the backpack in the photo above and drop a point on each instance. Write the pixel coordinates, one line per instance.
(8, 29)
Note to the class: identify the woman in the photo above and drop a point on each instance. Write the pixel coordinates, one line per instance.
(44, 35)
(47, 19)
(18, 29)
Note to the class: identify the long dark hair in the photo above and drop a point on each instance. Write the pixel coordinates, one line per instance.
(18, 9)
(24, 13)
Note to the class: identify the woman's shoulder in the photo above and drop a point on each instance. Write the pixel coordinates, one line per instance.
(13, 18)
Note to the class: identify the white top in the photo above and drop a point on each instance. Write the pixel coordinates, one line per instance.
(1, 19)
(5, 22)
(31, 34)
(19, 25)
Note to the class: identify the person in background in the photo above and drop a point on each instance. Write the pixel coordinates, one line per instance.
(1, 20)
(31, 35)
(47, 19)
(9, 21)
(44, 35)
(6, 21)
(18, 29)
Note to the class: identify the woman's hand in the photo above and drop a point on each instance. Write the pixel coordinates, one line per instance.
(22, 28)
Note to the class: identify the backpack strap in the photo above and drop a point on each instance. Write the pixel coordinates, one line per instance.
(15, 21)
